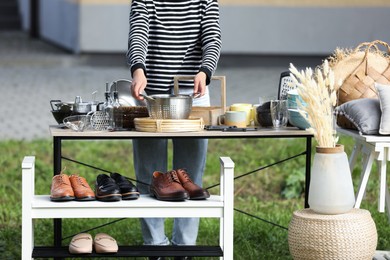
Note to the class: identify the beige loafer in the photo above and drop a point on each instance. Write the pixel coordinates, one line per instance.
(104, 243)
(81, 244)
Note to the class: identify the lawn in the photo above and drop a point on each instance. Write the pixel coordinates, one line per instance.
(270, 195)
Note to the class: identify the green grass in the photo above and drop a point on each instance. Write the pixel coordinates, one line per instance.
(271, 194)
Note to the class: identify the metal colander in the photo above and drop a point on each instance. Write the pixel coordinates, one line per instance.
(166, 106)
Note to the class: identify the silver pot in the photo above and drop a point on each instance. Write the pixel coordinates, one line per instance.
(80, 107)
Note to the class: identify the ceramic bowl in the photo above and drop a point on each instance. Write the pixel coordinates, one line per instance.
(292, 99)
(296, 119)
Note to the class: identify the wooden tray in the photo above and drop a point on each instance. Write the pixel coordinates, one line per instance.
(209, 114)
(148, 124)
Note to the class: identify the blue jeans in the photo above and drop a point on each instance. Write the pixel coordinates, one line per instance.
(151, 155)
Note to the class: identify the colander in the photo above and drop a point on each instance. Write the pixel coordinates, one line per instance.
(167, 106)
(170, 106)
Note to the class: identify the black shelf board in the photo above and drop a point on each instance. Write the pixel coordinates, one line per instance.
(133, 251)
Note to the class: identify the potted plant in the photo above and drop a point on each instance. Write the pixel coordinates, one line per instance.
(331, 188)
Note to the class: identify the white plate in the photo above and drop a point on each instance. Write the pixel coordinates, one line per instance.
(123, 87)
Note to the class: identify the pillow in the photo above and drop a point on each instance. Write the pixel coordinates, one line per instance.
(384, 98)
(364, 113)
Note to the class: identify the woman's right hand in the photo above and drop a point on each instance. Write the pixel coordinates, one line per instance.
(138, 83)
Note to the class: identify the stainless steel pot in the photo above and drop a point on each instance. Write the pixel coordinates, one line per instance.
(80, 107)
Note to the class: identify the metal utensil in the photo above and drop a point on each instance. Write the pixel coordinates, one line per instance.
(147, 97)
(123, 87)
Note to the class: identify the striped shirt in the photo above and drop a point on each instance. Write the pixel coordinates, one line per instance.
(177, 37)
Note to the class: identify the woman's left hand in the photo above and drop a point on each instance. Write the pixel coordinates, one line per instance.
(200, 83)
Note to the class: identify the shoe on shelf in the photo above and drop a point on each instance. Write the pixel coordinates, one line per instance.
(128, 190)
(81, 244)
(167, 186)
(195, 192)
(82, 190)
(61, 189)
(106, 189)
(104, 244)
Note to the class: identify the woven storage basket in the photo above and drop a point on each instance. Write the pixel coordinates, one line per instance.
(358, 70)
(129, 113)
(345, 236)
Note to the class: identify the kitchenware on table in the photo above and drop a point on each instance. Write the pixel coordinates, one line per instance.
(170, 106)
(209, 114)
(129, 113)
(293, 98)
(297, 119)
(80, 107)
(60, 110)
(168, 125)
(78, 123)
(247, 108)
(99, 120)
(123, 87)
(233, 118)
(264, 114)
(279, 113)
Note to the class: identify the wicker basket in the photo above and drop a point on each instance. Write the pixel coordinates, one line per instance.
(132, 112)
(345, 236)
(358, 70)
(168, 125)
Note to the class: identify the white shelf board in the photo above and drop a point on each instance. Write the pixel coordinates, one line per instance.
(145, 206)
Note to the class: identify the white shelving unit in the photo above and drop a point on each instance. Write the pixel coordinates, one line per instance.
(40, 207)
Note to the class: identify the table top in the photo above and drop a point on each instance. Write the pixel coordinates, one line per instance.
(367, 138)
(261, 132)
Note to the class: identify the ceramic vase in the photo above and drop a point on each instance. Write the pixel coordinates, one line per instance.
(331, 188)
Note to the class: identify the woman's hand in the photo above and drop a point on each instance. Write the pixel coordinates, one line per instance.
(138, 83)
(200, 83)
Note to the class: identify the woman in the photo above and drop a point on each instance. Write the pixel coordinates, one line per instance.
(169, 38)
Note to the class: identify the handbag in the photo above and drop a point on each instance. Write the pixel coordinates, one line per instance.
(358, 70)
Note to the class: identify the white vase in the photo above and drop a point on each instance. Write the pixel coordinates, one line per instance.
(331, 188)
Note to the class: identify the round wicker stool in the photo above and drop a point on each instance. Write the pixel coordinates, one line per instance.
(345, 236)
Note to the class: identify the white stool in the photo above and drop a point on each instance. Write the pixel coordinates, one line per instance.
(372, 148)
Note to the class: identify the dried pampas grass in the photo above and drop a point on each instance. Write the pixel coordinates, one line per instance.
(318, 90)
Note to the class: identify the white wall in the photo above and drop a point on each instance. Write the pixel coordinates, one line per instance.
(300, 30)
(103, 27)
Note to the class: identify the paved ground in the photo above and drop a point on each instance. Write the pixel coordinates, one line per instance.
(33, 72)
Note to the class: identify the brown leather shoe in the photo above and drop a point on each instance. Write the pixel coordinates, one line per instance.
(61, 189)
(81, 188)
(195, 192)
(166, 186)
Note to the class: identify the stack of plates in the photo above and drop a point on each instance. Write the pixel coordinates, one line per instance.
(148, 124)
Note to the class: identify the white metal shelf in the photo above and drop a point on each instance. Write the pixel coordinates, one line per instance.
(217, 206)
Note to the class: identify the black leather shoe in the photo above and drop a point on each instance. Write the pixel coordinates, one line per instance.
(106, 189)
(128, 190)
